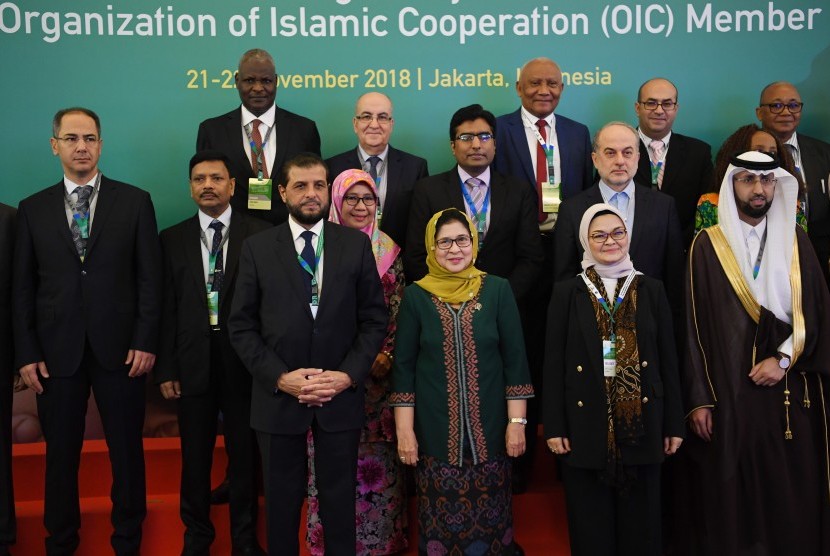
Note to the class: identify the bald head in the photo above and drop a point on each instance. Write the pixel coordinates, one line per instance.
(540, 86)
(656, 107)
(373, 122)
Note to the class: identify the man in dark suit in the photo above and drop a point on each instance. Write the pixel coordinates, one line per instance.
(87, 303)
(779, 112)
(677, 165)
(308, 319)
(502, 208)
(395, 171)
(258, 137)
(197, 365)
(656, 247)
(7, 518)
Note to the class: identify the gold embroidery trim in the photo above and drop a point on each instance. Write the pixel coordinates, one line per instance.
(697, 329)
(733, 272)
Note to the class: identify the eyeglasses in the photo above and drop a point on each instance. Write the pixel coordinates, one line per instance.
(367, 118)
(667, 105)
(74, 139)
(445, 243)
(602, 237)
(353, 200)
(484, 136)
(778, 107)
(751, 179)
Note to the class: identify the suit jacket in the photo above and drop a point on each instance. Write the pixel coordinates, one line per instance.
(575, 387)
(294, 135)
(112, 300)
(185, 330)
(815, 157)
(687, 176)
(403, 171)
(7, 231)
(513, 156)
(273, 331)
(512, 248)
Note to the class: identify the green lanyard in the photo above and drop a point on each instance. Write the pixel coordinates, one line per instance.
(315, 290)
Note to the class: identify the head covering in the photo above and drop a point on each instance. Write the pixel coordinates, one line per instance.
(450, 287)
(617, 270)
(383, 247)
(772, 286)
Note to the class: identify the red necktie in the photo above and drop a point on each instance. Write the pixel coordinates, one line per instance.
(257, 137)
(541, 166)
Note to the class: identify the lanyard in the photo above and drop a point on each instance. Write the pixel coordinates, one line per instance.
(479, 218)
(604, 304)
(254, 151)
(212, 256)
(381, 167)
(315, 291)
(757, 267)
(546, 147)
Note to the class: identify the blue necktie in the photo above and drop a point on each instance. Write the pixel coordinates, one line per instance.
(308, 256)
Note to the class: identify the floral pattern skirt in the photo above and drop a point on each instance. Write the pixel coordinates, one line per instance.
(380, 500)
(464, 511)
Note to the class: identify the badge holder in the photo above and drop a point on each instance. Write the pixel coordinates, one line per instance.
(259, 194)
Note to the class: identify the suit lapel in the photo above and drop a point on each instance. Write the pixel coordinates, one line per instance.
(233, 129)
(192, 249)
(287, 258)
(393, 176)
(57, 214)
(332, 252)
(562, 138)
(642, 208)
(282, 137)
(234, 246)
(107, 197)
(516, 133)
(674, 162)
(590, 333)
(498, 202)
(452, 191)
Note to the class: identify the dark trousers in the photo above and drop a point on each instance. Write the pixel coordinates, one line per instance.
(7, 519)
(604, 522)
(285, 470)
(62, 411)
(229, 392)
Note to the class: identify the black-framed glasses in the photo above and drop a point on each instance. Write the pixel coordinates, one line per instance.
(751, 179)
(602, 237)
(353, 200)
(74, 139)
(651, 104)
(778, 107)
(367, 118)
(445, 243)
(484, 136)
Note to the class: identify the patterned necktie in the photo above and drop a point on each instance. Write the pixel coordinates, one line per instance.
(83, 193)
(541, 166)
(216, 249)
(373, 167)
(309, 257)
(620, 201)
(656, 148)
(257, 138)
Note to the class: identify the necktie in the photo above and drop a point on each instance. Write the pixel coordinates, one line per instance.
(373, 167)
(257, 138)
(216, 250)
(620, 201)
(541, 166)
(477, 193)
(308, 256)
(81, 207)
(656, 148)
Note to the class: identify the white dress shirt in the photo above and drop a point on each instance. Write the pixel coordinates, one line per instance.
(299, 244)
(270, 148)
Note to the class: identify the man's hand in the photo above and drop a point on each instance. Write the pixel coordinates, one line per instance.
(142, 362)
(322, 387)
(767, 372)
(559, 445)
(171, 389)
(29, 373)
(671, 444)
(514, 438)
(701, 422)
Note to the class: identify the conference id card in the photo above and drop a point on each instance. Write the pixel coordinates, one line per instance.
(551, 197)
(609, 358)
(259, 194)
(213, 308)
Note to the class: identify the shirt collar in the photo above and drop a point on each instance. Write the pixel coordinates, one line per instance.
(647, 140)
(364, 156)
(528, 117)
(793, 140)
(296, 229)
(206, 220)
(267, 117)
(607, 192)
(484, 176)
(759, 229)
(71, 185)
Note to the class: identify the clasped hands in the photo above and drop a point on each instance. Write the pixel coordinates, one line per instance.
(314, 387)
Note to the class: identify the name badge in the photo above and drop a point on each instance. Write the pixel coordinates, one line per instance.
(551, 197)
(609, 358)
(213, 307)
(259, 194)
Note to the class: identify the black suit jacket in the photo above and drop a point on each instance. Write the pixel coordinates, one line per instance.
(512, 248)
(687, 176)
(294, 135)
(273, 331)
(575, 387)
(112, 300)
(7, 232)
(403, 171)
(815, 157)
(185, 330)
(513, 155)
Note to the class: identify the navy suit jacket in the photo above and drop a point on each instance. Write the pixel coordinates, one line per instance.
(815, 157)
(404, 170)
(687, 176)
(294, 135)
(512, 248)
(513, 155)
(273, 331)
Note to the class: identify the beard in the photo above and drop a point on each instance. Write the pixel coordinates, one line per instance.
(753, 212)
(307, 218)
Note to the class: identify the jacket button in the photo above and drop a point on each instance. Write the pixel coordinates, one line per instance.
(579, 368)
(644, 364)
(645, 399)
(83, 273)
(579, 403)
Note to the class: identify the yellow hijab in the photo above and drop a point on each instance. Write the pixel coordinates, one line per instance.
(450, 287)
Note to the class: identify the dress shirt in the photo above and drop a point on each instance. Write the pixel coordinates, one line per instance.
(607, 193)
(529, 121)
(796, 152)
(299, 244)
(647, 142)
(382, 170)
(204, 224)
(270, 150)
(485, 177)
(93, 201)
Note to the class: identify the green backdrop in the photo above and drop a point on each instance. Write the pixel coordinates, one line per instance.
(152, 78)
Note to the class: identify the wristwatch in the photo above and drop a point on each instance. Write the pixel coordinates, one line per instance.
(518, 420)
(783, 361)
